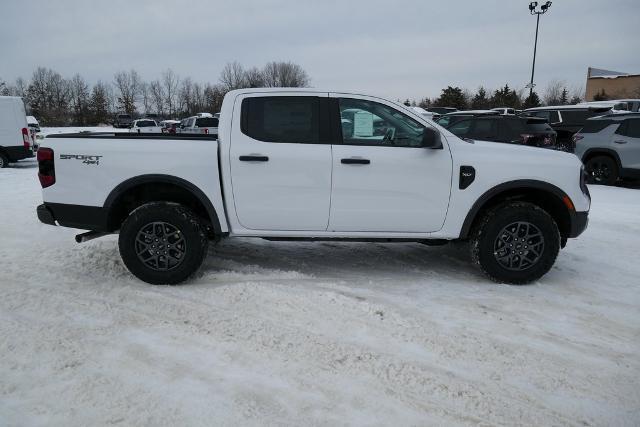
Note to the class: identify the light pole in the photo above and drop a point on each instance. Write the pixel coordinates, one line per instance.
(533, 9)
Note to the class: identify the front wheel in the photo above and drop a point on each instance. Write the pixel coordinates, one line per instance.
(515, 243)
(602, 170)
(4, 161)
(162, 243)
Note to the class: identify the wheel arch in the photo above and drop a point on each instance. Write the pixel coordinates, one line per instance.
(593, 152)
(549, 197)
(136, 191)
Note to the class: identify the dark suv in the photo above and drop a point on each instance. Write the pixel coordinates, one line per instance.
(451, 118)
(566, 120)
(123, 121)
(523, 130)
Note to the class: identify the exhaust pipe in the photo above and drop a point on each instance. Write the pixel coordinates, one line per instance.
(89, 235)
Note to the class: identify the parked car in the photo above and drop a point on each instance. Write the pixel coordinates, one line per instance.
(609, 147)
(206, 124)
(621, 105)
(442, 110)
(506, 110)
(122, 121)
(15, 139)
(288, 171)
(451, 118)
(530, 131)
(145, 126)
(169, 126)
(566, 120)
(34, 129)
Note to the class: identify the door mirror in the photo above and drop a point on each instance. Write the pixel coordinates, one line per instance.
(431, 139)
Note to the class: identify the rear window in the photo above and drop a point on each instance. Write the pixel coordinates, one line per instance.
(124, 116)
(207, 122)
(288, 119)
(146, 123)
(577, 117)
(550, 116)
(595, 126)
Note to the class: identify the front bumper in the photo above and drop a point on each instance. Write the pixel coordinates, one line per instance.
(579, 223)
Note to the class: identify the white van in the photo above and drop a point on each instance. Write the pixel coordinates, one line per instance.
(15, 141)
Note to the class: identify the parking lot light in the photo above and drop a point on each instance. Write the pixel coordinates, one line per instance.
(533, 10)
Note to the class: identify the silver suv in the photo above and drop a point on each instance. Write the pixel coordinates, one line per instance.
(609, 147)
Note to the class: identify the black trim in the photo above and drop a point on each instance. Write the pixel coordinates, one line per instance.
(132, 135)
(164, 179)
(254, 158)
(354, 161)
(630, 173)
(467, 176)
(16, 152)
(45, 215)
(579, 223)
(73, 216)
(511, 185)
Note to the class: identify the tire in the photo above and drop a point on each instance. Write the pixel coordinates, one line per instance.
(602, 170)
(143, 232)
(495, 241)
(4, 161)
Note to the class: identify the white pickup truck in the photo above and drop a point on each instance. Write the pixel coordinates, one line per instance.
(304, 164)
(145, 126)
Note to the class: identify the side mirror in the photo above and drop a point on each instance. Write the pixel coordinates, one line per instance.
(431, 139)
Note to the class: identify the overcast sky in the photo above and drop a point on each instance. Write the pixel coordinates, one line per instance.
(397, 49)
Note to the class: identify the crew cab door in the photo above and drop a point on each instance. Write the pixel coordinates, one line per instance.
(383, 179)
(280, 157)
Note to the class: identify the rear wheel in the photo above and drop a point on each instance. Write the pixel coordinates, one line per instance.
(515, 243)
(162, 243)
(4, 161)
(602, 170)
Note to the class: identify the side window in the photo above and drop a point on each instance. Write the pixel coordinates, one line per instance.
(461, 128)
(550, 115)
(509, 130)
(370, 123)
(574, 117)
(288, 119)
(631, 128)
(485, 129)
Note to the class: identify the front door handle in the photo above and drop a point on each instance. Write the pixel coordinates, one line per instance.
(254, 158)
(355, 161)
(619, 141)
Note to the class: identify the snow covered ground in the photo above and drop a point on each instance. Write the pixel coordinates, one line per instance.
(316, 333)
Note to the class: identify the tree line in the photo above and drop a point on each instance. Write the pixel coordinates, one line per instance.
(556, 93)
(59, 101)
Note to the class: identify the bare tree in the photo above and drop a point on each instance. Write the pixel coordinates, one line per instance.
(213, 95)
(145, 96)
(553, 92)
(157, 96)
(254, 77)
(233, 77)
(185, 96)
(128, 86)
(170, 82)
(285, 74)
(79, 91)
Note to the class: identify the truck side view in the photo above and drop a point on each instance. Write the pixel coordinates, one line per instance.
(305, 164)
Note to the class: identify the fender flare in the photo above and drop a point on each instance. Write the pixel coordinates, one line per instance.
(511, 185)
(130, 183)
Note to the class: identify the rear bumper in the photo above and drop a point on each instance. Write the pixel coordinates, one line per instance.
(17, 152)
(74, 216)
(579, 223)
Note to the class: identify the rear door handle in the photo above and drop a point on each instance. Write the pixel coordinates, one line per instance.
(254, 158)
(355, 161)
(619, 141)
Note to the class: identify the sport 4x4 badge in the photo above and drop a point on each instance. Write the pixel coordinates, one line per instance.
(86, 159)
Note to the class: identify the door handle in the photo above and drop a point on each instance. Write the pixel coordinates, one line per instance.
(355, 161)
(619, 141)
(254, 158)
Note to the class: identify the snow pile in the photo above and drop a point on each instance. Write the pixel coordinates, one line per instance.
(316, 333)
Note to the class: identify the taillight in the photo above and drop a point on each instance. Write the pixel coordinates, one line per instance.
(46, 167)
(205, 131)
(25, 138)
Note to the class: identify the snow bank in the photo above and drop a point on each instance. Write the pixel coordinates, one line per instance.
(316, 333)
